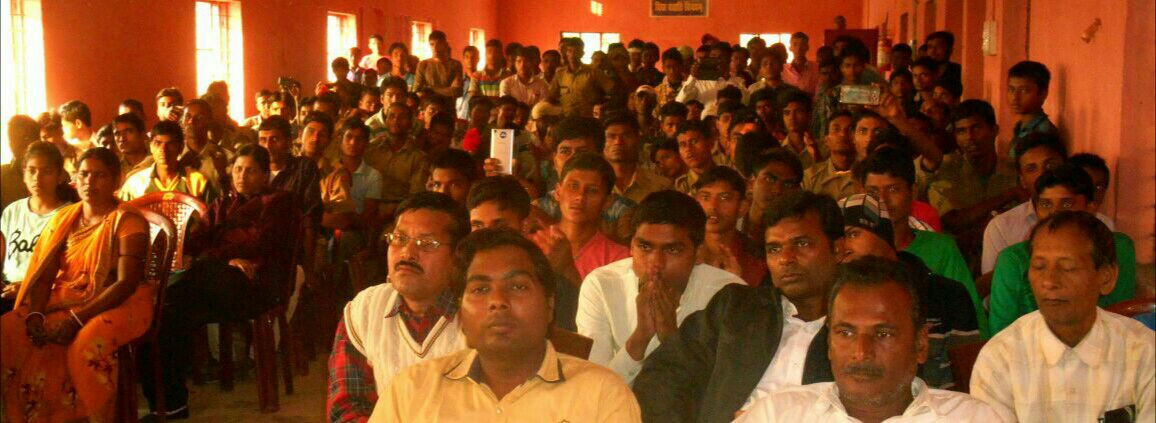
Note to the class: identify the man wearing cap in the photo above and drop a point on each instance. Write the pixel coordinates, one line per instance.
(946, 306)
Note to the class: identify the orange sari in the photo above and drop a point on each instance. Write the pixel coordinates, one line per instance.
(53, 383)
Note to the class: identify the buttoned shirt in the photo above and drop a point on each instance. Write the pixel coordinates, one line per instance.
(643, 183)
(822, 178)
(1011, 227)
(820, 402)
(451, 389)
(807, 78)
(786, 367)
(527, 92)
(578, 90)
(443, 76)
(403, 171)
(608, 312)
(685, 183)
(956, 184)
(1027, 374)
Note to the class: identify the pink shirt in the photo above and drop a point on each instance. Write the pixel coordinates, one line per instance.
(806, 79)
(597, 252)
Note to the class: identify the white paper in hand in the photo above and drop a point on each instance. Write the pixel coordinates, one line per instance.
(502, 148)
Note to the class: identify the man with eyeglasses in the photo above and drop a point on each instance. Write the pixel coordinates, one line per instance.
(775, 173)
(409, 319)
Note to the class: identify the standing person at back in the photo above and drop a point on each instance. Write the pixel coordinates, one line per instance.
(577, 86)
(441, 73)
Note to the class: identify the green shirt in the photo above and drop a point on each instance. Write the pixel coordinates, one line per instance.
(942, 256)
(1011, 293)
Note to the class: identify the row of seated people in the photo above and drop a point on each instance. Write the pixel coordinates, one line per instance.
(578, 191)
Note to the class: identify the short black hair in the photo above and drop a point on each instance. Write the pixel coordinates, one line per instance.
(900, 73)
(952, 86)
(44, 150)
(694, 126)
(672, 54)
(76, 110)
(276, 123)
(796, 205)
(763, 94)
(170, 128)
(322, 118)
(729, 107)
(926, 63)
(664, 143)
(131, 119)
(730, 92)
(173, 92)
(354, 125)
(901, 48)
(1070, 176)
(621, 118)
(1034, 71)
(798, 97)
(459, 222)
(744, 116)
(489, 239)
(133, 104)
(973, 108)
(437, 35)
(751, 147)
(778, 155)
(502, 189)
(1039, 139)
(444, 119)
(1091, 161)
(872, 271)
(801, 36)
(726, 175)
(590, 161)
(257, 152)
(947, 37)
(887, 161)
(673, 108)
(103, 155)
(1102, 240)
(579, 128)
(458, 160)
(669, 207)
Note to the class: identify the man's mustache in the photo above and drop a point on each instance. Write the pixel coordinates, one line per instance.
(863, 369)
(409, 263)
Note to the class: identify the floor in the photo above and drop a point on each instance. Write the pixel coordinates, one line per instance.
(209, 404)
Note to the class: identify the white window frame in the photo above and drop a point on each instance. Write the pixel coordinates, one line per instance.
(771, 38)
(478, 40)
(24, 84)
(594, 41)
(341, 35)
(419, 39)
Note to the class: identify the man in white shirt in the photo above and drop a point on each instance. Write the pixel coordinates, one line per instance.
(751, 341)
(1070, 360)
(878, 340)
(630, 306)
(524, 85)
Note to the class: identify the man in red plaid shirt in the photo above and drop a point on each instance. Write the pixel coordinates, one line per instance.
(411, 318)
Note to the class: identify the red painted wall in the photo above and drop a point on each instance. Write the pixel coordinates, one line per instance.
(541, 22)
(105, 51)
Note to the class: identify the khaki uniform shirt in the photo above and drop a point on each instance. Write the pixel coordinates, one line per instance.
(957, 184)
(403, 172)
(822, 178)
(579, 90)
(645, 182)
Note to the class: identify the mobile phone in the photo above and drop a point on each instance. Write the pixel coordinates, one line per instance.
(860, 94)
(502, 148)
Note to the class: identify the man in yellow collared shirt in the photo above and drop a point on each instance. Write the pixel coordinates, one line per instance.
(578, 86)
(514, 374)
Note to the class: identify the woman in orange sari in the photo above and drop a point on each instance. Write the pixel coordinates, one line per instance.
(81, 300)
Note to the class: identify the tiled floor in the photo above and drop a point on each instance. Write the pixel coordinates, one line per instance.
(209, 404)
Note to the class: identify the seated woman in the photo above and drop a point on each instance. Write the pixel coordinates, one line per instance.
(24, 219)
(81, 300)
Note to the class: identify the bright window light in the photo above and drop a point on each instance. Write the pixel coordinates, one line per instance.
(342, 36)
(594, 41)
(419, 43)
(220, 55)
(22, 65)
(478, 40)
(771, 38)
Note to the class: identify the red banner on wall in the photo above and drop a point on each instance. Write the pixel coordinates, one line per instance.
(697, 8)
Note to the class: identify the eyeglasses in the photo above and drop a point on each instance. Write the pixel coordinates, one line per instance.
(399, 240)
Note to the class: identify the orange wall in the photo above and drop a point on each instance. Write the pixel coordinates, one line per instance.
(1101, 92)
(541, 22)
(103, 52)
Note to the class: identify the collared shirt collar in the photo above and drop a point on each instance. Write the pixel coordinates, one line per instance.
(445, 306)
(470, 367)
(362, 169)
(1090, 350)
(789, 312)
(920, 402)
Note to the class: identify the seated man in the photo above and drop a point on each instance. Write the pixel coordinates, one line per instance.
(167, 175)
(695, 144)
(131, 143)
(631, 306)
(878, 341)
(501, 202)
(833, 175)
(1067, 187)
(290, 172)
(722, 193)
(411, 318)
(1070, 360)
(944, 303)
(237, 274)
(774, 174)
(404, 168)
(623, 144)
(511, 368)
(1035, 154)
(578, 245)
(748, 341)
(452, 173)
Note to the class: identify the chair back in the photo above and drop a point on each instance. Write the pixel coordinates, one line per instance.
(162, 233)
(1134, 307)
(570, 343)
(179, 208)
(962, 361)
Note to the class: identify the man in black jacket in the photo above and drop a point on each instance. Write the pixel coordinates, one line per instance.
(750, 341)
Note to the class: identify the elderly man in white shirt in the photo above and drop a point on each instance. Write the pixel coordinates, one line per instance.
(630, 306)
(878, 340)
(1070, 360)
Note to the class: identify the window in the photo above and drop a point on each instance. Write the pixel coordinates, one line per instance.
(596, 7)
(594, 41)
(23, 64)
(342, 36)
(219, 51)
(771, 38)
(419, 44)
(478, 40)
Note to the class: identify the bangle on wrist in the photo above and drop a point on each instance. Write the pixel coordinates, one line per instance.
(76, 318)
(35, 313)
